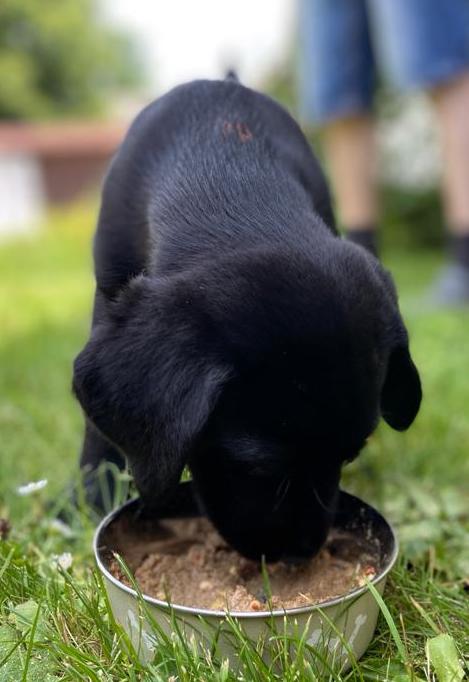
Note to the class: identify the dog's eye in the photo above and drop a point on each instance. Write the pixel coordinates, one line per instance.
(252, 456)
(265, 470)
(300, 386)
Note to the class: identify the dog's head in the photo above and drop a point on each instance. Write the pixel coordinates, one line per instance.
(264, 375)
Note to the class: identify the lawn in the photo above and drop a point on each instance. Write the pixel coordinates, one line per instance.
(55, 624)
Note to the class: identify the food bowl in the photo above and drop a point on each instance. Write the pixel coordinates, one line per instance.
(339, 630)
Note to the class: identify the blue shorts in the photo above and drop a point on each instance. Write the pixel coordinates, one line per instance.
(416, 44)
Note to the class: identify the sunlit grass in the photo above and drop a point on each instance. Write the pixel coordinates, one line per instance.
(419, 479)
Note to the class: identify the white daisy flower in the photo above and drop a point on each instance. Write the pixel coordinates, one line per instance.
(32, 487)
(64, 560)
(60, 527)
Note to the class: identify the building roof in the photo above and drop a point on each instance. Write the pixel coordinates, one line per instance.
(77, 138)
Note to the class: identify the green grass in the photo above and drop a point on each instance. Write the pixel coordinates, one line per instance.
(56, 625)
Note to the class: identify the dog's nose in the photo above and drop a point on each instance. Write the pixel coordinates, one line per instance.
(294, 560)
(302, 550)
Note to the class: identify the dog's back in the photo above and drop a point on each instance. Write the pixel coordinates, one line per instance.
(210, 167)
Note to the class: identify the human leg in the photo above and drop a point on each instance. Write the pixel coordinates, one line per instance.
(451, 102)
(425, 44)
(351, 152)
(336, 91)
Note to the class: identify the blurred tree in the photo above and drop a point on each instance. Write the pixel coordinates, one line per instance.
(58, 58)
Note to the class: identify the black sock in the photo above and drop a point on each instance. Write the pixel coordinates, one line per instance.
(366, 237)
(459, 249)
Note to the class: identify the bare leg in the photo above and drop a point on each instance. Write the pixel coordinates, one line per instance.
(452, 107)
(451, 102)
(351, 153)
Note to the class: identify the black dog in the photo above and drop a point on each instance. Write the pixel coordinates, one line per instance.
(233, 330)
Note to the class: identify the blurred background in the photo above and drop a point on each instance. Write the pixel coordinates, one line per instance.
(72, 76)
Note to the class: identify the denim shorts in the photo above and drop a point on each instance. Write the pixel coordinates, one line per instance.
(344, 43)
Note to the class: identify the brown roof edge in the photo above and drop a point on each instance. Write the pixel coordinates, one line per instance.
(61, 138)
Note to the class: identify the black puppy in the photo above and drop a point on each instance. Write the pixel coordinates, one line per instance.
(234, 331)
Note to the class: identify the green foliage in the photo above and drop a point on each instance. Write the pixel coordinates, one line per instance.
(59, 59)
(412, 218)
(444, 658)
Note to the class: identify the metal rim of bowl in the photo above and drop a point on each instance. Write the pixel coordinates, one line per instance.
(180, 608)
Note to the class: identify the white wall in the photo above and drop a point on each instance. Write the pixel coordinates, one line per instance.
(21, 194)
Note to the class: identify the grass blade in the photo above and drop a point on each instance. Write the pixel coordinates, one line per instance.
(444, 658)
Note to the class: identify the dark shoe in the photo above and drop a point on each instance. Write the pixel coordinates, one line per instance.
(451, 288)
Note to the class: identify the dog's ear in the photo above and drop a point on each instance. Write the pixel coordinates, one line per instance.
(144, 383)
(401, 393)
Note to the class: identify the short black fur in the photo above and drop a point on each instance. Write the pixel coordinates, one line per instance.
(234, 331)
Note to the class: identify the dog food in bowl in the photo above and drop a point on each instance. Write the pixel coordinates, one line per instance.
(182, 558)
(186, 561)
